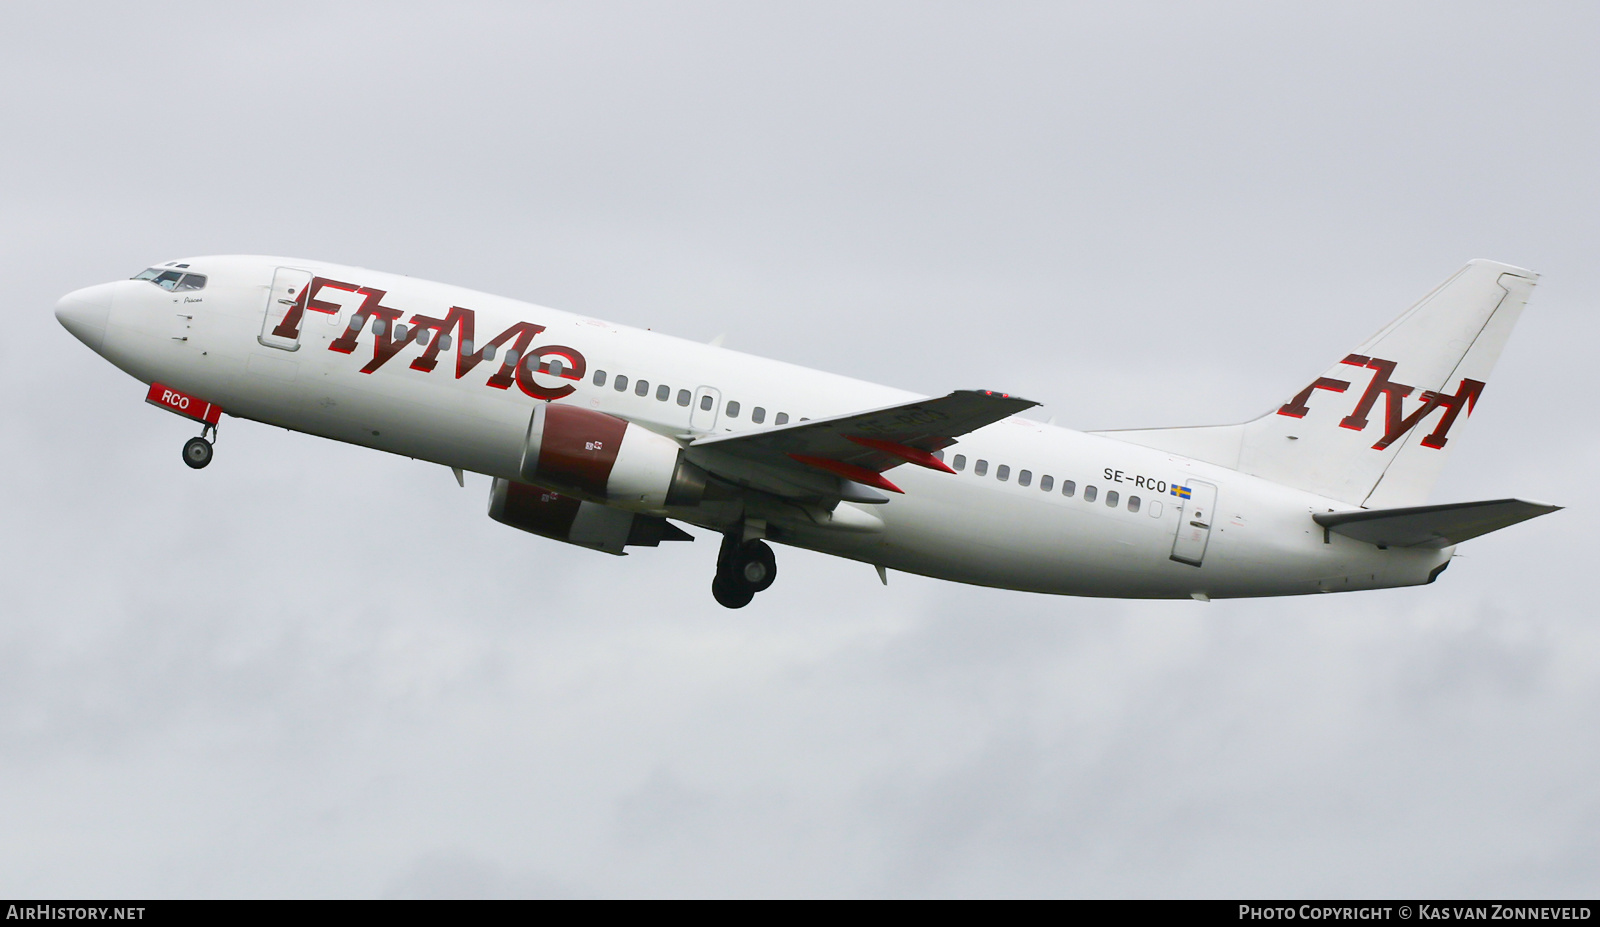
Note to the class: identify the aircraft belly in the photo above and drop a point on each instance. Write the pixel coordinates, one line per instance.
(1260, 547)
(481, 437)
(1003, 539)
(442, 420)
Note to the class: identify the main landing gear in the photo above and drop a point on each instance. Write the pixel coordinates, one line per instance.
(743, 569)
(197, 451)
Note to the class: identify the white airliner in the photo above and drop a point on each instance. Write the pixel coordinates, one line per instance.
(596, 434)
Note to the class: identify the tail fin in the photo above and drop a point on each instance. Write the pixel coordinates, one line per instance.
(1375, 428)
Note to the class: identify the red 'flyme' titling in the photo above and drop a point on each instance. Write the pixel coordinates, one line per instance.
(519, 364)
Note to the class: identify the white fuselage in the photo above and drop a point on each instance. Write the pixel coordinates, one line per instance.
(966, 527)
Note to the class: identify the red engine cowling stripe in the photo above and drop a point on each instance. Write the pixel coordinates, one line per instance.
(579, 446)
(540, 510)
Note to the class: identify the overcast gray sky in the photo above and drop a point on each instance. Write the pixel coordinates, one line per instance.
(313, 670)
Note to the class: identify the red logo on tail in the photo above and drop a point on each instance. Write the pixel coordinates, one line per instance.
(1395, 422)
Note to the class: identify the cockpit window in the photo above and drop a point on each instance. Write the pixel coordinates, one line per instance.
(173, 279)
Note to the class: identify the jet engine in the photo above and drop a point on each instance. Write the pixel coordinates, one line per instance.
(587, 524)
(602, 457)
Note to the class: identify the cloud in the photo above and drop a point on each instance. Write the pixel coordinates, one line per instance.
(312, 670)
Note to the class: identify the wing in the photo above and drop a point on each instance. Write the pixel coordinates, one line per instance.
(858, 447)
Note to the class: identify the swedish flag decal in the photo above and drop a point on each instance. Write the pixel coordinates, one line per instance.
(1182, 492)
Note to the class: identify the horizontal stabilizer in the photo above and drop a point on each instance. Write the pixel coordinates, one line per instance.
(1432, 526)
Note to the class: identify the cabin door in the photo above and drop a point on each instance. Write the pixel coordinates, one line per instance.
(286, 305)
(1197, 503)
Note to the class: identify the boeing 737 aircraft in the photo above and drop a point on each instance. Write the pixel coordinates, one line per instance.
(601, 435)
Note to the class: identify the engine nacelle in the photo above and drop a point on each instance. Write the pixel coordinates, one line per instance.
(607, 458)
(587, 524)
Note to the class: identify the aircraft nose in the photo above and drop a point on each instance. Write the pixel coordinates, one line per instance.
(85, 312)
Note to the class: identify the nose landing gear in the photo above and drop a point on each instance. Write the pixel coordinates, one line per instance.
(743, 569)
(197, 451)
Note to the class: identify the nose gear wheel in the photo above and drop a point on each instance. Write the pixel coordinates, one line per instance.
(197, 452)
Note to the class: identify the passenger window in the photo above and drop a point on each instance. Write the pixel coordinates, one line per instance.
(782, 419)
(1002, 473)
(512, 357)
(1047, 482)
(758, 415)
(641, 387)
(683, 398)
(960, 462)
(423, 335)
(981, 467)
(380, 327)
(1155, 508)
(621, 382)
(705, 403)
(1089, 493)
(1068, 487)
(733, 408)
(1025, 478)
(663, 393)
(192, 282)
(488, 350)
(599, 378)
(1111, 499)
(400, 332)
(444, 342)
(938, 455)
(1133, 503)
(555, 366)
